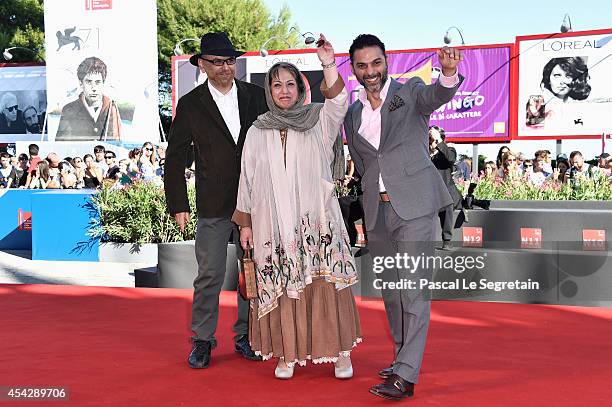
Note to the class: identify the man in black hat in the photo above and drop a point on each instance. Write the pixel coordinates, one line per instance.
(214, 117)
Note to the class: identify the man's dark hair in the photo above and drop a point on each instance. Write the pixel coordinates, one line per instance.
(91, 65)
(5, 155)
(293, 71)
(574, 154)
(23, 157)
(575, 67)
(541, 154)
(366, 40)
(28, 108)
(33, 149)
(99, 149)
(440, 130)
(111, 153)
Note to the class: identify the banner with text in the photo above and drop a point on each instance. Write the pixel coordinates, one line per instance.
(479, 110)
(102, 75)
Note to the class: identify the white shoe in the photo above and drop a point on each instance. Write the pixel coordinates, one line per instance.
(283, 373)
(344, 372)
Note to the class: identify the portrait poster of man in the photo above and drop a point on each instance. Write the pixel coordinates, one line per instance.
(96, 92)
(92, 115)
(23, 103)
(563, 87)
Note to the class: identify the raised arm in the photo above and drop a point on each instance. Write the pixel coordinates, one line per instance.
(334, 91)
(431, 97)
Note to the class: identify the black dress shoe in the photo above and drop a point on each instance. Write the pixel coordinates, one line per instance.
(393, 388)
(199, 358)
(386, 372)
(244, 348)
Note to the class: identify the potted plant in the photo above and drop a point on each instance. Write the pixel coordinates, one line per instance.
(133, 220)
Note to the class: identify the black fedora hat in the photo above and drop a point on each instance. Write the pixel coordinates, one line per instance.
(217, 43)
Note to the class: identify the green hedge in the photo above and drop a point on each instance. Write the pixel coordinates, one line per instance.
(137, 213)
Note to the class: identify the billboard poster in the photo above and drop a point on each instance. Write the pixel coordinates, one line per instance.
(480, 109)
(23, 102)
(102, 78)
(186, 77)
(563, 85)
(305, 60)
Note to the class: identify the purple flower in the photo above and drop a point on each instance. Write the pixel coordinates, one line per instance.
(267, 270)
(326, 239)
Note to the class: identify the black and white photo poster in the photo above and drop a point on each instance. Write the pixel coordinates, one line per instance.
(102, 70)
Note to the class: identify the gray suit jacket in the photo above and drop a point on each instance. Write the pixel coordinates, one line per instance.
(411, 180)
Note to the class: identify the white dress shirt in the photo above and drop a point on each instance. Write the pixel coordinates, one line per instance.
(371, 119)
(228, 106)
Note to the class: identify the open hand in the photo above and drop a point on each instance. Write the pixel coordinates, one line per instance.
(325, 51)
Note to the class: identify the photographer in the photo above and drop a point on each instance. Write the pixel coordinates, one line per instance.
(443, 157)
(579, 167)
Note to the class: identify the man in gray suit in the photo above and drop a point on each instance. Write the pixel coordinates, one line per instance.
(387, 135)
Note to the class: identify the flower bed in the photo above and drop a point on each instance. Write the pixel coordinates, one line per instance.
(599, 188)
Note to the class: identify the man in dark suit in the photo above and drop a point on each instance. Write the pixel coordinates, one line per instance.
(443, 157)
(386, 130)
(215, 117)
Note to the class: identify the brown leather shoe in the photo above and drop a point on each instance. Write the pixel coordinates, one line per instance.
(386, 372)
(393, 388)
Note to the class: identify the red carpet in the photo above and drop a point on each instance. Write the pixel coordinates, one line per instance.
(128, 347)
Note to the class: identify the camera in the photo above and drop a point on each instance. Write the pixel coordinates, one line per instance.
(470, 201)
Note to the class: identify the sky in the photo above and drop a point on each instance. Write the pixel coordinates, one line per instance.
(413, 25)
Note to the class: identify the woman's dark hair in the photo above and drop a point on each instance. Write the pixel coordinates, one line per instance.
(87, 155)
(575, 67)
(499, 155)
(43, 167)
(293, 71)
(133, 152)
(363, 41)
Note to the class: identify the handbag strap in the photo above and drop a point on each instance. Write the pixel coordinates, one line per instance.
(247, 254)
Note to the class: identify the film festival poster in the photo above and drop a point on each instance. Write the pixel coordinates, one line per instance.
(102, 75)
(23, 103)
(479, 110)
(564, 88)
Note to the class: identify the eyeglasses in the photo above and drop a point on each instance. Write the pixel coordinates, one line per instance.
(108, 157)
(11, 108)
(220, 62)
(527, 165)
(511, 160)
(148, 149)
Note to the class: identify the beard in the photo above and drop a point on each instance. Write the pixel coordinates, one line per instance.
(377, 87)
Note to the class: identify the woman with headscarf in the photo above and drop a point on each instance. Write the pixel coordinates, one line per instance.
(288, 214)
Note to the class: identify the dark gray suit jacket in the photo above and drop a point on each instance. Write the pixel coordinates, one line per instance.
(411, 180)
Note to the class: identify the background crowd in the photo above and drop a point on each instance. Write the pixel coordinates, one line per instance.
(31, 171)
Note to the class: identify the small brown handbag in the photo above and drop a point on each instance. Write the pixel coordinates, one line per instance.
(247, 279)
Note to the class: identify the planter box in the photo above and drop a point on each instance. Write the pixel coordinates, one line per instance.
(177, 266)
(128, 252)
